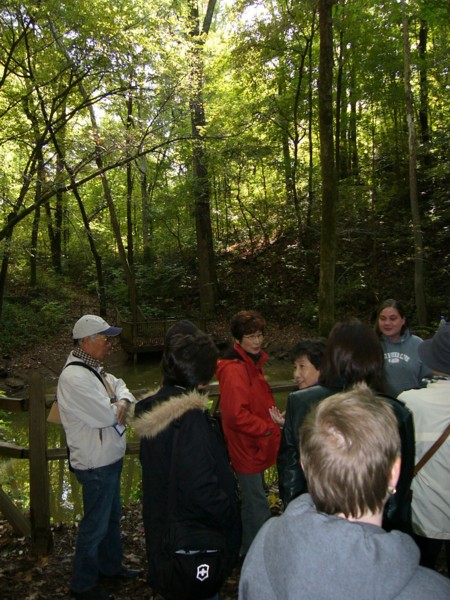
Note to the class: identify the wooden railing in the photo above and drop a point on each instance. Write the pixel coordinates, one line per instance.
(145, 335)
(37, 527)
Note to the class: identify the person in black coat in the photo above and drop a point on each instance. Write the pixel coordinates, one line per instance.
(353, 354)
(206, 485)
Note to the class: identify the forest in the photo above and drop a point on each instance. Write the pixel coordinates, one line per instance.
(192, 157)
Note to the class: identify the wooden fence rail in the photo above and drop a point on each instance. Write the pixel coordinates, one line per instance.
(37, 527)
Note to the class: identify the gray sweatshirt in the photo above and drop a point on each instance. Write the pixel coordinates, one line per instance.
(306, 555)
(403, 368)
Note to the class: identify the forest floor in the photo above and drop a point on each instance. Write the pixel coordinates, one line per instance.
(23, 577)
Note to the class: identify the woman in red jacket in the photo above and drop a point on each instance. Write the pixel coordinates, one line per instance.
(252, 437)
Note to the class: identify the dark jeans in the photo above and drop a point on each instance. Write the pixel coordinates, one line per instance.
(430, 549)
(99, 548)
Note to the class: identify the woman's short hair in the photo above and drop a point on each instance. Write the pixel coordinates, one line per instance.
(398, 306)
(348, 445)
(312, 349)
(190, 359)
(246, 322)
(353, 354)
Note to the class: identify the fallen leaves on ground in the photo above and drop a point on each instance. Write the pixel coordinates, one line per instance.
(24, 577)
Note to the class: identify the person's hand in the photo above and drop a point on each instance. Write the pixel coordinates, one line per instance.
(277, 416)
(122, 409)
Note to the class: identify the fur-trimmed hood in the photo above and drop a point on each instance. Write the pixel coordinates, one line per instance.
(152, 422)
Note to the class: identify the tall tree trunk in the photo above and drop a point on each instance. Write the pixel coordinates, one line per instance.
(34, 247)
(352, 130)
(146, 236)
(128, 271)
(101, 288)
(291, 162)
(310, 138)
(289, 169)
(129, 169)
(4, 268)
(202, 192)
(425, 130)
(328, 168)
(59, 206)
(341, 170)
(36, 221)
(413, 195)
(147, 244)
(423, 110)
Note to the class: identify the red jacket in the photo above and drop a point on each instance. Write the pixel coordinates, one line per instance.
(252, 437)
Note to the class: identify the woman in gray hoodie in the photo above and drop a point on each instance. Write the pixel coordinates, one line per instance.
(403, 369)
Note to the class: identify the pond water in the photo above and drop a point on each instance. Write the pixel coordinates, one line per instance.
(65, 492)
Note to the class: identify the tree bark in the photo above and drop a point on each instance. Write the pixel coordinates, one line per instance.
(201, 190)
(328, 168)
(423, 111)
(129, 169)
(413, 194)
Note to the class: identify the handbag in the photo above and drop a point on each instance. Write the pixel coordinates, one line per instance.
(192, 564)
(53, 415)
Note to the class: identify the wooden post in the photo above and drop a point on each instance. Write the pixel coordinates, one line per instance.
(41, 534)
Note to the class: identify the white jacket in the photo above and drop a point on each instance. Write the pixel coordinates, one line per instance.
(431, 486)
(88, 417)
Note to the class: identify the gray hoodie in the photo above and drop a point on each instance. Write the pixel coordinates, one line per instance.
(306, 555)
(403, 368)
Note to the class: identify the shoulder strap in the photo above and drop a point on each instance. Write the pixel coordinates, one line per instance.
(79, 363)
(434, 448)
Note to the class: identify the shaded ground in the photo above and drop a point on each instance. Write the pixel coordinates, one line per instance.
(22, 577)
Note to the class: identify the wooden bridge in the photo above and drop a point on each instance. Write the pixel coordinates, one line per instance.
(144, 335)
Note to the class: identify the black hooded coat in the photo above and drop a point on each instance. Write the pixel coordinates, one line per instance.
(206, 485)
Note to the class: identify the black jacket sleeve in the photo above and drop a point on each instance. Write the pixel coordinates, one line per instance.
(291, 479)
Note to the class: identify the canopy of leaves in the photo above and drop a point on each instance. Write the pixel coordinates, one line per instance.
(131, 66)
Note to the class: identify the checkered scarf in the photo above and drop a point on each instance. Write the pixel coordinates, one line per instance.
(87, 358)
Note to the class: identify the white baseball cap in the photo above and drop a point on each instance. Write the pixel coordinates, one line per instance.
(90, 325)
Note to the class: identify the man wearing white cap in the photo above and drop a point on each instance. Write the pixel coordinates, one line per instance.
(431, 485)
(93, 406)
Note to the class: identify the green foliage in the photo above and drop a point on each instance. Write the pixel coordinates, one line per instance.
(133, 65)
(19, 495)
(5, 425)
(31, 315)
